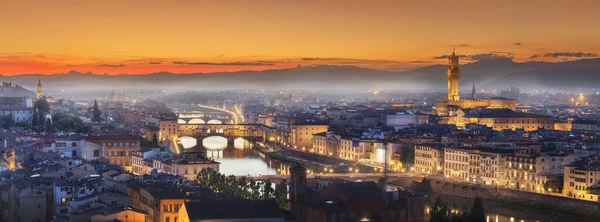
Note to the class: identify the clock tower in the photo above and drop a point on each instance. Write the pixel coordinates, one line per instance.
(453, 75)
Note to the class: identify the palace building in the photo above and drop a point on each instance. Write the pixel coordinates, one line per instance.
(448, 107)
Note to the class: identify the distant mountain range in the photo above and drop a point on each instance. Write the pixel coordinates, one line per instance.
(498, 73)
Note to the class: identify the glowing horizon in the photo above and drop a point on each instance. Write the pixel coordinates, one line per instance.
(141, 37)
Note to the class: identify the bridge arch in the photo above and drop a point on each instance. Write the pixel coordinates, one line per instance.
(196, 121)
(214, 143)
(181, 121)
(188, 142)
(214, 121)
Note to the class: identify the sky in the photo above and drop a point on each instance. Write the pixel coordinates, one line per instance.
(190, 36)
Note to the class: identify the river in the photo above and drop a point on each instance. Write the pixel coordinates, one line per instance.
(240, 159)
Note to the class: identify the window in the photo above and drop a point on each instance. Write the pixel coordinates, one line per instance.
(96, 153)
(167, 219)
(73, 144)
(63, 200)
(64, 211)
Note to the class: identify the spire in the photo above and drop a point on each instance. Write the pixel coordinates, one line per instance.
(453, 49)
(473, 93)
(38, 93)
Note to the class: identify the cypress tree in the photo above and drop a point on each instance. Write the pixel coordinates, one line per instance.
(96, 112)
(477, 212)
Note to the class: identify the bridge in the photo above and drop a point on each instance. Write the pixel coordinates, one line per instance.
(223, 134)
(204, 118)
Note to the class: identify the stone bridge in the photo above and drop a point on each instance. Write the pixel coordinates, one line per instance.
(225, 130)
(204, 118)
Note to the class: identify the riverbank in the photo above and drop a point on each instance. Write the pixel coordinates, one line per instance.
(526, 201)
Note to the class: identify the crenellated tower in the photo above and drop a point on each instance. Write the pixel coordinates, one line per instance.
(453, 75)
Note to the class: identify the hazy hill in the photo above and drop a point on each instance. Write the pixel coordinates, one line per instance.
(499, 73)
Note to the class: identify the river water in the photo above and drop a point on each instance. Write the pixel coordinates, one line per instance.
(241, 159)
(497, 213)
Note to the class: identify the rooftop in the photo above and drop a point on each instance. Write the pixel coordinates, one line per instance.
(226, 209)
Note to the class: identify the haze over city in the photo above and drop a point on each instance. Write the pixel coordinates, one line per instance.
(299, 111)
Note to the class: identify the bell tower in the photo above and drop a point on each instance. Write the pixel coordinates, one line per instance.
(453, 75)
(297, 193)
(38, 94)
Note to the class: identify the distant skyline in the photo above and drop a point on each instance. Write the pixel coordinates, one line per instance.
(139, 37)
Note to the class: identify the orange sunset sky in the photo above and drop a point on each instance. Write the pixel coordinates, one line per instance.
(186, 36)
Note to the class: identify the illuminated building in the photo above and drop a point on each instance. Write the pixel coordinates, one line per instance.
(168, 129)
(521, 167)
(448, 107)
(456, 162)
(327, 143)
(501, 119)
(302, 133)
(429, 158)
(118, 148)
(582, 179)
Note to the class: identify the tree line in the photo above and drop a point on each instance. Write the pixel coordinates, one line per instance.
(241, 187)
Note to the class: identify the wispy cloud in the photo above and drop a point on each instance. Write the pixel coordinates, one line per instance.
(112, 65)
(571, 54)
(154, 63)
(490, 56)
(460, 45)
(534, 56)
(448, 56)
(518, 44)
(223, 63)
(484, 56)
(421, 61)
(308, 58)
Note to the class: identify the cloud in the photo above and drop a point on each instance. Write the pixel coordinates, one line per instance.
(154, 63)
(448, 56)
(308, 59)
(224, 63)
(534, 56)
(485, 56)
(460, 45)
(502, 53)
(490, 56)
(421, 61)
(571, 54)
(518, 43)
(112, 65)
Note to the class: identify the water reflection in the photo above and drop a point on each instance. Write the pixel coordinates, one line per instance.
(187, 142)
(499, 213)
(239, 158)
(214, 143)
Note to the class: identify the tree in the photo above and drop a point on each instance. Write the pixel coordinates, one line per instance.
(42, 106)
(24, 124)
(96, 117)
(477, 213)
(7, 121)
(253, 190)
(440, 212)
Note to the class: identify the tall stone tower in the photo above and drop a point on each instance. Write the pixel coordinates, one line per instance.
(473, 93)
(38, 95)
(297, 188)
(453, 75)
(113, 98)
